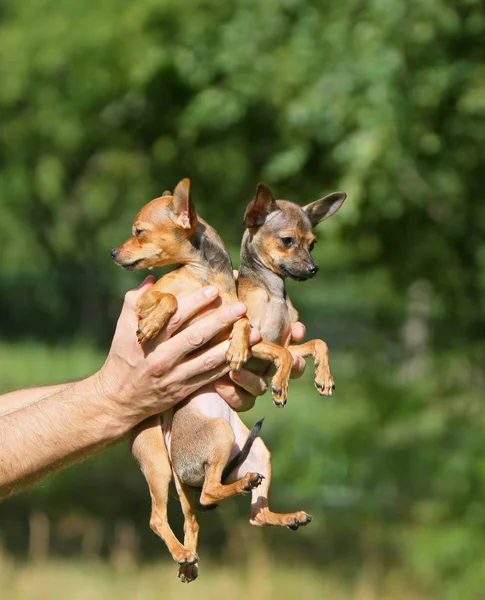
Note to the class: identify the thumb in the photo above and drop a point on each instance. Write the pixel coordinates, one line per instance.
(132, 296)
(146, 283)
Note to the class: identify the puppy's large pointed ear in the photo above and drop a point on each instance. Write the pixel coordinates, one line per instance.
(325, 207)
(260, 207)
(182, 207)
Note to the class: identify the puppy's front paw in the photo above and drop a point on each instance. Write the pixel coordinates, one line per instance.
(324, 382)
(279, 391)
(148, 329)
(237, 355)
(152, 323)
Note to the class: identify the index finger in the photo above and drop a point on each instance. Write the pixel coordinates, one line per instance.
(196, 335)
(298, 368)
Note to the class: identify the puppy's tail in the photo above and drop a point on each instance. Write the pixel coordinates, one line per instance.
(243, 453)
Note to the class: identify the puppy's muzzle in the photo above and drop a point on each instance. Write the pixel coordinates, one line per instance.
(303, 274)
(129, 266)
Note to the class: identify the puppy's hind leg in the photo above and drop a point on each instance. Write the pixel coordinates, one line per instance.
(188, 572)
(149, 449)
(213, 490)
(259, 459)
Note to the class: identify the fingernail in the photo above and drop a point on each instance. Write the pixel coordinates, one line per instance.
(238, 309)
(211, 291)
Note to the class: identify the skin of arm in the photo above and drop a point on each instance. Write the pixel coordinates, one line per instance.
(12, 401)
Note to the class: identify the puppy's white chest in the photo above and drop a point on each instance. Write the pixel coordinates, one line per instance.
(275, 323)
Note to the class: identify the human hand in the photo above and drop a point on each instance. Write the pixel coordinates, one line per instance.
(140, 384)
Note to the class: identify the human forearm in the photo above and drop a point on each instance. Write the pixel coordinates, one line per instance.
(19, 398)
(55, 431)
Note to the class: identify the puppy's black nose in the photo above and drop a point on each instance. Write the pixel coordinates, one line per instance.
(312, 269)
(114, 252)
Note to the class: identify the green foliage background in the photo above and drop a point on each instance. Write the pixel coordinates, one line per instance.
(103, 105)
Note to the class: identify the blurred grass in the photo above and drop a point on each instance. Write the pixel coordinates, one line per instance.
(36, 363)
(55, 580)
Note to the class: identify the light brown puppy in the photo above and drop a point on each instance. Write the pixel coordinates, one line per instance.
(206, 438)
(277, 244)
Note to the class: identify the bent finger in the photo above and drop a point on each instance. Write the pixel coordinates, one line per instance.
(128, 320)
(237, 398)
(204, 361)
(251, 383)
(131, 296)
(298, 331)
(299, 365)
(254, 336)
(194, 337)
(202, 379)
(189, 305)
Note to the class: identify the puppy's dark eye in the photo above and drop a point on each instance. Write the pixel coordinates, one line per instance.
(138, 232)
(312, 245)
(287, 241)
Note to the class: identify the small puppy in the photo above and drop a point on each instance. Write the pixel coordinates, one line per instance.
(277, 244)
(210, 447)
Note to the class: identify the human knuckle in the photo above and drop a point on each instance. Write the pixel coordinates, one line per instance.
(195, 338)
(223, 317)
(175, 389)
(169, 388)
(157, 367)
(210, 362)
(175, 321)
